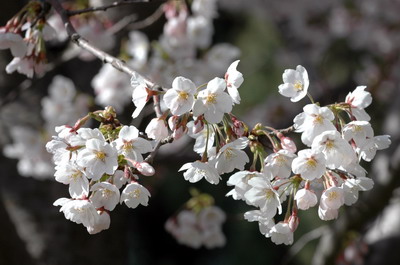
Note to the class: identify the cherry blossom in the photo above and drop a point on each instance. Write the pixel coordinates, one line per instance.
(295, 83)
(135, 194)
(213, 102)
(179, 99)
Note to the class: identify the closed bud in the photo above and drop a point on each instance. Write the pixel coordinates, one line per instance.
(293, 222)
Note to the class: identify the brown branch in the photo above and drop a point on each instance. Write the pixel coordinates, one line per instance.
(71, 13)
(149, 20)
(84, 44)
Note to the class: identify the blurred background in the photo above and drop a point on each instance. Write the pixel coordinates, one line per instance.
(342, 44)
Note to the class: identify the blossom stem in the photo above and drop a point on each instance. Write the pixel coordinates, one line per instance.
(311, 98)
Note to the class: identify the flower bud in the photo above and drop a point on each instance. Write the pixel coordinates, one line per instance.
(145, 168)
(293, 222)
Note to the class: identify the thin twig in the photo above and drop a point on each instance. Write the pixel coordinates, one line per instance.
(148, 20)
(302, 241)
(78, 40)
(71, 13)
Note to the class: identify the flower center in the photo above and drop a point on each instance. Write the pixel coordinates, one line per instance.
(135, 193)
(269, 194)
(280, 160)
(200, 172)
(298, 86)
(211, 98)
(311, 163)
(228, 153)
(183, 95)
(332, 195)
(100, 155)
(318, 119)
(128, 146)
(75, 176)
(106, 193)
(330, 144)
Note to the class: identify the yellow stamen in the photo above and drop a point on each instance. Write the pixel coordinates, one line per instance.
(298, 86)
(183, 95)
(211, 98)
(101, 155)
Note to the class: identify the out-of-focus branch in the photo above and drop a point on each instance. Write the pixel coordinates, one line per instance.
(71, 13)
(367, 208)
(78, 40)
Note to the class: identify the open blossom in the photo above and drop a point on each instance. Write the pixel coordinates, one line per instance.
(265, 223)
(213, 102)
(358, 100)
(98, 157)
(368, 150)
(233, 79)
(337, 151)
(197, 170)
(179, 99)
(358, 131)
(332, 198)
(210, 217)
(204, 138)
(102, 223)
(309, 164)
(326, 213)
(140, 93)
(105, 195)
(240, 180)
(313, 121)
(232, 156)
(157, 129)
(305, 199)
(135, 194)
(295, 83)
(263, 195)
(281, 234)
(351, 187)
(131, 145)
(70, 173)
(78, 211)
(279, 163)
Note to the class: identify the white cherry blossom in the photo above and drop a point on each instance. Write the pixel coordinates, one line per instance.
(279, 163)
(140, 93)
(305, 199)
(179, 99)
(232, 156)
(358, 131)
(332, 198)
(97, 158)
(295, 83)
(105, 195)
(337, 151)
(213, 102)
(14, 42)
(281, 234)
(102, 223)
(157, 129)
(263, 195)
(240, 182)
(70, 173)
(358, 100)
(313, 121)
(309, 164)
(368, 150)
(197, 170)
(78, 211)
(234, 80)
(131, 145)
(135, 194)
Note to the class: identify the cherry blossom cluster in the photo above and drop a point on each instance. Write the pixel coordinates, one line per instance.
(338, 137)
(96, 164)
(63, 105)
(24, 35)
(199, 224)
(187, 33)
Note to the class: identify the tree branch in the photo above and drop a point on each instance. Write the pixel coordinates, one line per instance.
(71, 13)
(84, 44)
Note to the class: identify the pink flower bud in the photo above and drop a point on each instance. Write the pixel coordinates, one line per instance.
(145, 168)
(198, 126)
(293, 222)
(288, 144)
(173, 122)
